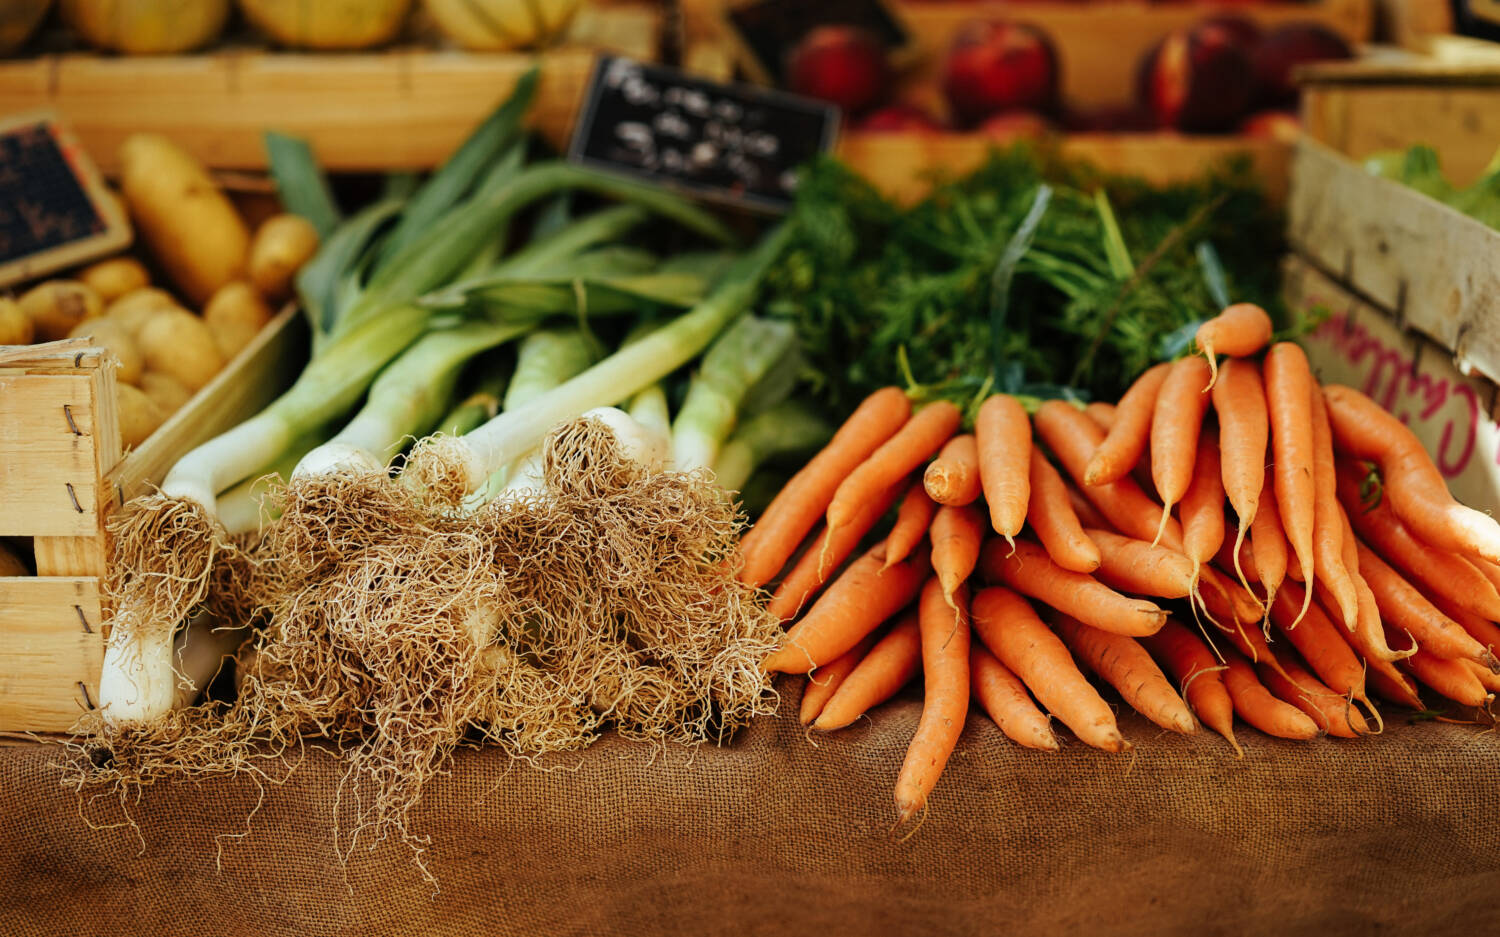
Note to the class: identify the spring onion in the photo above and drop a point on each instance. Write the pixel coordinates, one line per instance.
(733, 365)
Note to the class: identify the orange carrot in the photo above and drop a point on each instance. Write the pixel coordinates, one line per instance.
(1122, 663)
(912, 519)
(1175, 425)
(795, 510)
(1395, 686)
(1328, 525)
(1415, 487)
(1010, 628)
(945, 697)
(1004, 697)
(1486, 569)
(1244, 428)
(1332, 712)
(1368, 636)
(1198, 673)
(913, 444)
(956, 534)
(815, 566)
(1403, 607)
(1490, 681)
(1202, 507)
(1289, 385)
(1102, 413)
(1239, 331)
(825, 682)
(1084, 510)
(1241, 563)
(854, 605)
(1121, 449)
(1003, 432)
(1072, 436)
(1258, 706)
(1450, 678)
(1268, 542)
(1240, 603)
(953, 477)
(888, 666)
(1029, 570)
(1130, 565)
(1486, 632)
(1320, 642)
(1446, 574)
(1055, 522)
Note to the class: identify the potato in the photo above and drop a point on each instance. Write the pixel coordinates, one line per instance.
(234, 315)
(108, 333)
(167, 391)
(15, 325)
(55, 306)
(281, 246)
(189, 224)
(177, 342)
(115, 277)
(138, 414)
(135, 307)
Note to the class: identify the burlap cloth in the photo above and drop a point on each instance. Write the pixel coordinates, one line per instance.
(1395, 835)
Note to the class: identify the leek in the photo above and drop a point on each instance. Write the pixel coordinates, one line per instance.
(482, 403)
(515, 432)
(737, 361)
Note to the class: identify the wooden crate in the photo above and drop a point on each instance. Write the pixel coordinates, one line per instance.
(1390, 101)
(1100, 43)
(1433, 269)
(62, 475)
(1360, 344)
(901, 164)
(406, 108)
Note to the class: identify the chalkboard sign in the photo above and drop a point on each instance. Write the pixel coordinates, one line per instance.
(768, 29)
(54, 209)
(730, 143)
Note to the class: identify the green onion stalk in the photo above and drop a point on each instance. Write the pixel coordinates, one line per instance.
(738, 360)
(788, 428)
(544, 360)
(468, 461)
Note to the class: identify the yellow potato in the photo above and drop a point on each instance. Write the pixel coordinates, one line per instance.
(177, 342)
(135, 307)
(167, 391)
(189, 224)
(55, 306)
(115, 277)
(108, 333)
(281, 246)
(234, 315)
(146, 27)
(138, 414)
(15, 325)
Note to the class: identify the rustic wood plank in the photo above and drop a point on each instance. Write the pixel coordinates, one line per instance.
(50, 478)
(898, 164)
(402, 108)
(1431, 266)
(1461, 121)
(52, 648)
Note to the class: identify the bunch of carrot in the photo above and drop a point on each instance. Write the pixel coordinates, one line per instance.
(1321, 595)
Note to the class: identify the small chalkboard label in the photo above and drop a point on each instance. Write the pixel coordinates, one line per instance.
(730, 143)
(54, 209)
(769, 29)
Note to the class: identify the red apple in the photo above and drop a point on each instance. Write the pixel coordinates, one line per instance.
(1127, 119)
(898, 118)
(1197, 79)
(842, 64)
(1242, 29)
(1286, 47)
(997, 66)
(1016, 125)
(1272, 125)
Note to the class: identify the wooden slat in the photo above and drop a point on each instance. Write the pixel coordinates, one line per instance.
(897, 164)
(265, 368)
(1461, 122)
(47, 651)
(60, 435)
(403, 108)
(1429, 265)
